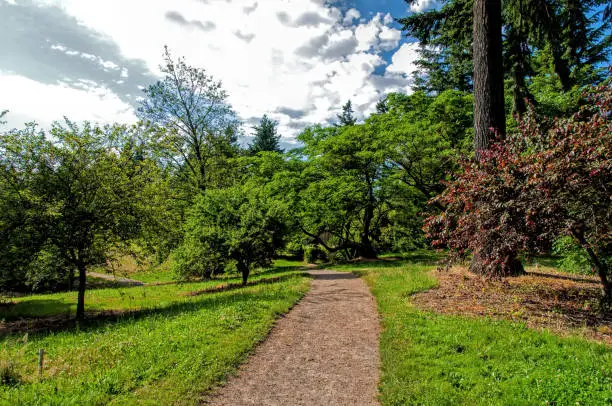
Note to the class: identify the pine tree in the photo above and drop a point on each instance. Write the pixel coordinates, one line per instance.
(266, 137)
(347, 117)
(568, 30)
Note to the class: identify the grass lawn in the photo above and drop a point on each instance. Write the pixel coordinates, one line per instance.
(433, 359)
(123, 299)
(177, 349)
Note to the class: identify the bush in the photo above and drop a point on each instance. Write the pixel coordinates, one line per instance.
(551, 179)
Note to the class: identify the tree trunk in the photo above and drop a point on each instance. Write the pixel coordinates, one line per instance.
(244, 271)
(511, 266)
(489, 113)
(71, 279)
(598, 266)
(602, 270)
(80, 313)
(366, 250)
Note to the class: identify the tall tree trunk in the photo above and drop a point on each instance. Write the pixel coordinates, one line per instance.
(489, 114)
(80, 312)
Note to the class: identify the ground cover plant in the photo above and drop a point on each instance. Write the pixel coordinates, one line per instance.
(171, 354)
(434, 359)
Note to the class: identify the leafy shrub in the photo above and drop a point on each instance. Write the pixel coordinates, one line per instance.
(238, 228)
(552, 178)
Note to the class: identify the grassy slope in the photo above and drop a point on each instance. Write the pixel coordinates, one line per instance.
(433, 359)
(169, 355)
(131, 298)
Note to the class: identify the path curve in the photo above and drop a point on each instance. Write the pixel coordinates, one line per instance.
(323, 352)
(120, 280)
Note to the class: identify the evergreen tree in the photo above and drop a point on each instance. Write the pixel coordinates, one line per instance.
(266, 137)
(568, 30)
(347, 117)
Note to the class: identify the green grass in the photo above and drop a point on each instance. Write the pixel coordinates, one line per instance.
(434, 359)
(123, 299)
(178, 349)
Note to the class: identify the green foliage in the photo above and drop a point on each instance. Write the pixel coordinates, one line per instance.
(266, 138)
(239, 227)
(573, 258)
(543, 41)
(70, 197)
(434, 359)
(342, 201)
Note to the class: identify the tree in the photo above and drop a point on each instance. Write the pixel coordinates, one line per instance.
(550, 179)
(196, 126)
(347, 117)
(238, 228)
(569, 32)
(342, 199)
(266, 138)
(79, 191)
(489, 114)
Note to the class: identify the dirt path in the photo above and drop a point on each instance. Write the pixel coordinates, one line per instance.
(324, 352)
(118, 279)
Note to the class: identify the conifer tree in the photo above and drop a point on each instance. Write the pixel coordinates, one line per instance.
(266, 137)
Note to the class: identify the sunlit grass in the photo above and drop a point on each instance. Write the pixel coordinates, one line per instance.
(122, 299)
(433, 359)
(171, 354)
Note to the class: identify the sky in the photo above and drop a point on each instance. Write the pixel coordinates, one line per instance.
(298, 61)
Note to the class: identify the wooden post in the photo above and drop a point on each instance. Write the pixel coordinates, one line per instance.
(41, 355)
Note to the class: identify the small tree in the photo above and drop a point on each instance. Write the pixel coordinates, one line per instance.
(79, 195)
(348, 115)
(239, 227)
(266, 137)
(552, 178)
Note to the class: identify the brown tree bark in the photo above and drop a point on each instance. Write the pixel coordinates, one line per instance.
(489, 111)
(489, 114)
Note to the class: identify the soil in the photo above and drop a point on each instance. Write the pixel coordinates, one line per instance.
(323, 352)
(563, 303)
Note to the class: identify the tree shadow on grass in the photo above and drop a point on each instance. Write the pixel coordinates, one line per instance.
(15, 310)
(100, 319)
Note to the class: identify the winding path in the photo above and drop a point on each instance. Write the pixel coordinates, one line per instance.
(323, 352)
(120, 280)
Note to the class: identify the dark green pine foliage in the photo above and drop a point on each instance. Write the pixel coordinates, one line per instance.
(570, 31)
(266, 137)
(445, 37)
(347, 117)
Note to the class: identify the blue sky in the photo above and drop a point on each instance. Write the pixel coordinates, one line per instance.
(296, 60)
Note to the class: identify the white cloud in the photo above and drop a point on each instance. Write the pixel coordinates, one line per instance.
(350, 15)
(22, 96)
(403, 60)
(423, 5)
(107, 65)
(299, 55)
